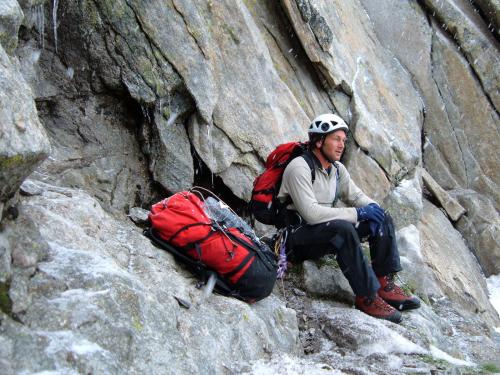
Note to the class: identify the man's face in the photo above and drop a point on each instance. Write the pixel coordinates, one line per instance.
(334, 144)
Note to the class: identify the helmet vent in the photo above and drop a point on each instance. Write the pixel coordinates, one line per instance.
(327, 123)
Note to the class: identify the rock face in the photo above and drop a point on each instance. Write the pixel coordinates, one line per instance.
(456, 85)
(491, 11)
(11, 16)
(473, 35)
(384, 109)
(23, 142)
(142, 99)
(386, 113)
(454, 63)
(189, 62)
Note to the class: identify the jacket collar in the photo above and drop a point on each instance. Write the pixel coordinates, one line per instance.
(318, 163)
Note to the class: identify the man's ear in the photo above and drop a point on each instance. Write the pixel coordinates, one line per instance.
(319, 143)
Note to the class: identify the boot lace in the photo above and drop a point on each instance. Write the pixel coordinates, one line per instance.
(381, 304)
(392, 287)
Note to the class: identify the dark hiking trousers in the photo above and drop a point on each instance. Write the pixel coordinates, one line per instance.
(342, 238)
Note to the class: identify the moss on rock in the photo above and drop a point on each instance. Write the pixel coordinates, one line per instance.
(5, 302)
(8, 162)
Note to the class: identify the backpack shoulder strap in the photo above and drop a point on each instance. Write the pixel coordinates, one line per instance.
(310, 162)
(337, 187)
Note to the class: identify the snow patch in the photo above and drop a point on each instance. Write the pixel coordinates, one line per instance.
(285, 364)
(409, 238)
(439, 354)
(66, 341)
(85, 347)
(74, 296)
(493, 283)
(395, 363)
(59, 371)
(79, 262)
(82, 293)
(392, 343)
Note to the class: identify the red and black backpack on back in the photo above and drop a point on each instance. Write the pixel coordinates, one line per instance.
(264, 204)
(183, 225)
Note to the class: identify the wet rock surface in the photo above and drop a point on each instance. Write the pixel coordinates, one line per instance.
(125, 102)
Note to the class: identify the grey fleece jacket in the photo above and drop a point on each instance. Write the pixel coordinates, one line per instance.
(314, 202)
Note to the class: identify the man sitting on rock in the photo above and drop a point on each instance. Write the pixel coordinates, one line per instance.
(317, 227)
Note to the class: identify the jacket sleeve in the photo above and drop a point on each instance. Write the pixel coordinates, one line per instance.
(350, 193)
(298, 185)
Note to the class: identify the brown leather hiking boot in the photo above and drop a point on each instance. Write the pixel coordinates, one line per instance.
(395, 296)
(378, 308)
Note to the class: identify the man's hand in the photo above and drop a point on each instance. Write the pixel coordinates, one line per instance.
(371, 212)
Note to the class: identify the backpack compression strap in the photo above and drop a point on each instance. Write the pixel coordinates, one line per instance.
(337, 177)
(199, 268)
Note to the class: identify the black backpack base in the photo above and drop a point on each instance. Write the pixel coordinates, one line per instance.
(257, 283)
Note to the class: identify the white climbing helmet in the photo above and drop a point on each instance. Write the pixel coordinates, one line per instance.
(327, 123)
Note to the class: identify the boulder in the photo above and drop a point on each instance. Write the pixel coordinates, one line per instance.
(24, 143)
(42, 75)
(409, 39)
(289, 58)
(254, 113)
(170, 158)
(327, 280)
(455, 268)
(481, 228)
(139, 216)
(357, 342)
(441, 150)
(450, 204)
(5, 262)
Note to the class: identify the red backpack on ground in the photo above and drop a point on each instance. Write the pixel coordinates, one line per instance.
(182, 224)
(264, 204)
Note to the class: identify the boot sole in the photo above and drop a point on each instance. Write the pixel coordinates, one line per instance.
(405, 305)
(397, 317)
